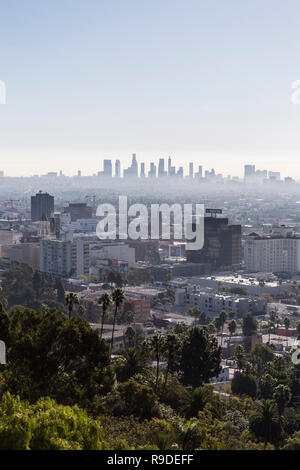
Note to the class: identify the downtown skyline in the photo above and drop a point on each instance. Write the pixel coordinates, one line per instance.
(207, 82)
(166, 168)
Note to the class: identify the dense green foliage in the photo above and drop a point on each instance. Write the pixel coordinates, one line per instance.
(60, 389)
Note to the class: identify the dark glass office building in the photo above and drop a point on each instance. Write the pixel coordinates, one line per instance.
(222, 245)
(42, 205)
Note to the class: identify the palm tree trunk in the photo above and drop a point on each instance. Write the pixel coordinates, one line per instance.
(102, 321)
(157, 371)
(113, 331)
(166, 378)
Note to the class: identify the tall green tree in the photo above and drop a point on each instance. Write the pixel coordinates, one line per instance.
(249, 324)
(105, 301)
(264, 422)
(130, 336)
(71, 300)
(272, 323)
(118, 297)
(223, 318)
(172, 349)
(282, 396)
(50, 355)
(240, 357)
(157, 347)
(201, 357)
(60, 291)
(232, 329)
(287, 323)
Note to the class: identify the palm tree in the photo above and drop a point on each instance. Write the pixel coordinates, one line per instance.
(298, 331)
(118, 297)
(287, 323)
(232, 329)
(71, 299)
(105, 302)
(130, 336)
(282, 396)
(217, 324)
(157, 345)
(211, 328)
(81, 311)
(273, 319)
(223, 318)
(189, 434)
(261, 284)
(134, 361)
(231, 313)
(239, 356)
(172, 348)
(265, 421)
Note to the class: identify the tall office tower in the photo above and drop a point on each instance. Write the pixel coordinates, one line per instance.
(222, 244)
(133, 169)
(134, 165)
(117, 168)
(274, 175)
(65, 258)
(161, 167)
(199, 173)
(152, 172)
(191, 170)
(142, 170)
(42, 204)
(172, 171)
(169, 166)
(107, 168)
(79, 173)
(249, 171)
(180, 172)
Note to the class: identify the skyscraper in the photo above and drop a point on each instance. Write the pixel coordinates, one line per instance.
(142, 170)
(249, 171)
(152, 172)
(161, 168)
(42, 204)
(199, 173)
(117, 168)
(133, 169)
(107, 168)
(191, 170)
(180, 172)
(169, 166)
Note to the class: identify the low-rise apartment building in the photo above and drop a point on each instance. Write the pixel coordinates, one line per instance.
(213, 303)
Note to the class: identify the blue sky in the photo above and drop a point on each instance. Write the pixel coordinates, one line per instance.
(207, 81)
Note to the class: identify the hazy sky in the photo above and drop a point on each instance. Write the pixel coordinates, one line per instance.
(202, 80)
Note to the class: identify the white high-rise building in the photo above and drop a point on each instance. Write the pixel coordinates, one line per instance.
(277, 252)
(65, 258)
